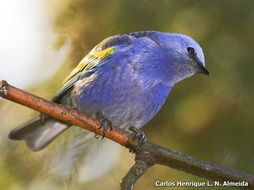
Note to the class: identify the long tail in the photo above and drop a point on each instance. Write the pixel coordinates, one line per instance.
(37, 133)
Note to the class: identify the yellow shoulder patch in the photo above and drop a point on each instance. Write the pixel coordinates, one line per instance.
(90, 61)
(102, 54)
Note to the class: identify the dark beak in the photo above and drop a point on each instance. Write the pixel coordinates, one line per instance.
(202, 69)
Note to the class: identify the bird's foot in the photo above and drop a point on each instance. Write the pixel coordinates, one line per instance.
(105, 124)
(138, 137)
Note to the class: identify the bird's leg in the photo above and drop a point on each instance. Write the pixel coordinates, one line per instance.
(138, 137)
(105, 124)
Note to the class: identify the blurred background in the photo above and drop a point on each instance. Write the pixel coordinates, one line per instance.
(207, 117)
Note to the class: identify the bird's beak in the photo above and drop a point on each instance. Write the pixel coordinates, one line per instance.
(202, 69)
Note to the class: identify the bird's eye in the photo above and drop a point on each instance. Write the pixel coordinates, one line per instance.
(191, 50)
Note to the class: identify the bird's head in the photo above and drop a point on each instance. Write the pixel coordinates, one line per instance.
(185, 56)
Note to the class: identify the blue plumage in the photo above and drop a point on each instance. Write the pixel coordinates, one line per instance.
(126, 77)
(126, 88)
(132, 84)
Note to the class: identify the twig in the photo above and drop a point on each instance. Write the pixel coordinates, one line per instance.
(148, 155)
(60, 112)
(151, 154)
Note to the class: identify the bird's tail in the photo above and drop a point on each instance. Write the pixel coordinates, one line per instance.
(38, 132)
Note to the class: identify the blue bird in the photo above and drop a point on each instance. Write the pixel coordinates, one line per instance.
(125, 78)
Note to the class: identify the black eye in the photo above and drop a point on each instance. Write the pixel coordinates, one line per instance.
(191, 50)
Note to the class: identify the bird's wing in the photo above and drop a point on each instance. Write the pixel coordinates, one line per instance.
(96, 57)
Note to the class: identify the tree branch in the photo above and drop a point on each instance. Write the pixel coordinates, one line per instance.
(151, 154)
(148, 155)
(60, 112)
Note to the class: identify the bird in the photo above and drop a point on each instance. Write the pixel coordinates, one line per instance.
(124, 80)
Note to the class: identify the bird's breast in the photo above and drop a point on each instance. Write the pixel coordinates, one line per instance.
(124, 98)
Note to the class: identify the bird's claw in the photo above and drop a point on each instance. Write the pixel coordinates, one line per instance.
(138, 137)
(105, 124)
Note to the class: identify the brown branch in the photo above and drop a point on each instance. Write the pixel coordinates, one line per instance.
(151, 154)
(148, 155)
(60, 112)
